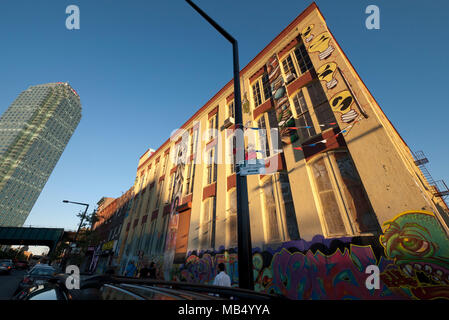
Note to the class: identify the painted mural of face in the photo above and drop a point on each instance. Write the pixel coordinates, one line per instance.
(321, 44)
(418, 244)
(307, 33)
(341, 102)
(326, 73)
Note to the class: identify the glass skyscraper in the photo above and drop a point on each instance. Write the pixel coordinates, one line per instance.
(33, 134)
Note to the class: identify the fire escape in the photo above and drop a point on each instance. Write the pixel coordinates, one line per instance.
(438, 187)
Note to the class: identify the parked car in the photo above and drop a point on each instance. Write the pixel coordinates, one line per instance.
(6, 266)
(21, 265)
(106, 287)
(34, 260)
(38, 275)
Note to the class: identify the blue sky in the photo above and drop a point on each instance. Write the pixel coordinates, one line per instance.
(142, 68)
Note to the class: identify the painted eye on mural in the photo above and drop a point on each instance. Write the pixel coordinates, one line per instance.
(341, 103)
(319, 41)
(326, 71)
(414, 244)
(307, 31)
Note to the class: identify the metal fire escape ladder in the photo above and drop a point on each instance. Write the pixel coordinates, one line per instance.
(439, 187)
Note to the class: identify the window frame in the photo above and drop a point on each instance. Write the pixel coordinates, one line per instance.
(337, 184)
(261, 89)
(231, 109)
(211, 166)
(292, 54)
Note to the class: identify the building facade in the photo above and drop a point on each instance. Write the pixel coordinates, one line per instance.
(106, 232)
(341, 190)
(34, 132)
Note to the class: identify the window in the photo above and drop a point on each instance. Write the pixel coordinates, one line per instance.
(304, 118)
(343, 202)
(231, 154)
(164, 165)
(288, 66)
(192, 145)
(270, 210)
(213, 126)
(190, 179)
(160, 193)
(303, 58)
(207, 233)
(258, 95)
(231, 219)
(296, 63)
(170, 186)
(151, 237)
(231, 112)
(211, 166)
(162, 235)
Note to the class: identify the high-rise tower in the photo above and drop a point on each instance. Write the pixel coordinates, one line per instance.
(33, 134)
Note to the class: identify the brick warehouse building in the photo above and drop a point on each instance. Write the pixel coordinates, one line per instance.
(106, 231)
(342, 189)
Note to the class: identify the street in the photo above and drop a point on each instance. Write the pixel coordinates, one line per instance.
(9, 283)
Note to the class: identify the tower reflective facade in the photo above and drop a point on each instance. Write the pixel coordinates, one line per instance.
(34, 131)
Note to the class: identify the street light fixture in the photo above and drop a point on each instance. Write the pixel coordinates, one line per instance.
(244, 252)
(82, 218)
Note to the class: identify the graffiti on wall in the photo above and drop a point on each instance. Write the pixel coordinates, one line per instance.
(412, 256)
(170, 243)
(342, 101)
(306, 33)
(284, 114)
(321, 45)
(419, 248)
(326, 73)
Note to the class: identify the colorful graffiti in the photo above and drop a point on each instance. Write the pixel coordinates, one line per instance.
(306, 33)
(327, 73)
(281, 103)
(419, 248)
(413, 260)
(170, 243)
(321, 44)
(341, 102)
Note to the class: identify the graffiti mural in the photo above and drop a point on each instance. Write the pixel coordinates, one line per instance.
(412, 256)
(284, 114)
(306, 33)
(170, 243)
(341, 103)
(419, 248)
(327, 73)
(321, 44)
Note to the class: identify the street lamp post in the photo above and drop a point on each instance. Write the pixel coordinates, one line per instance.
(245, 265)
(82, 217)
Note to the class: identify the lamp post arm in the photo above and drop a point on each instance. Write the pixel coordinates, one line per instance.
(212, 22)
